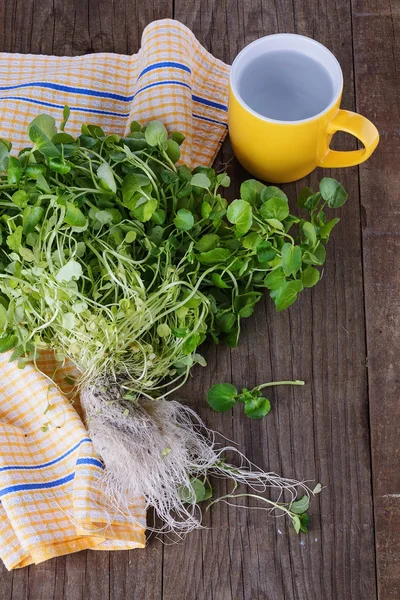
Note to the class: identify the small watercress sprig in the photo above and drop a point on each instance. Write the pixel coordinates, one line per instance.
(223, 396)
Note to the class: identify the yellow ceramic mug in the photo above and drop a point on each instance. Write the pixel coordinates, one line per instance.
(272, 84)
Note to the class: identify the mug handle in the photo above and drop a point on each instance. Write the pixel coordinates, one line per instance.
(362, 129)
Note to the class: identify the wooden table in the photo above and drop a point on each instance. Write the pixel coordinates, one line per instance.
(343, 337)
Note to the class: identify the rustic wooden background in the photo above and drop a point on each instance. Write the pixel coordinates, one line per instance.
(343, 337)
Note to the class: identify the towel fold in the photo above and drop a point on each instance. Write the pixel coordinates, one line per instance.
(50, 499)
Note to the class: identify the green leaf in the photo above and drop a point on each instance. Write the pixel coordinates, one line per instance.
(8, 342)
(251, 190)
(218, 281)
(325, 231)
(179, 138)
(333, 192)
(42, 184)
(133, 183)
(310, 277)
(71, 270)
(296, 523)
(286, 294)
(244, 303)
(206, 210)
(156, 134)
(310, 233)
(159, 216)
(130, 237)
(26, 254)
(20, 198)
(240, 214)
(74, 216)
(265, 252)
(223, 180)
(4, 154)
(173, 151)
(41, 131)
(257, 407)
(251, 240)
(226, 321)
(14, 239)
(213, 257)
(302, 197)
(272, 192)
(144, 211)
(300, 506)
(207, 242)
(135, 126)
(222, 397)
(197, 492)
(275, 208)
(31, 217)
(14, 171)
(191, 343)
(3, 317)
(291, 259)
(66, 114)
(163, 330)
(59, 165)
(106, 176)
(275, 224)
(184, 220)
(200, 180)
(275, 279)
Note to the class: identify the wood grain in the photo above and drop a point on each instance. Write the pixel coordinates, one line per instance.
(320, 432)
(377, 87)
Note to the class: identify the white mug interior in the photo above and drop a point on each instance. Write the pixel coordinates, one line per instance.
(293, 42)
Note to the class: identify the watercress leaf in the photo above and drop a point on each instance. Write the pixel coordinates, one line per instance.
(218, 281)
(275, 208)
(222, 397)
(14, 239)
(296, 523)
(302, 197)
(207, 242)
(304, 520)
(173, 151)
(310, 233)
(42, 184)
(275, 224)
(257, 407)
(31, 217)
(309, 277)
(213, 257)
(66, 114)
(74, 216)
(135, 126)
(226, 321)
(333, 192)
(8, 342)
(327, 228)
(26, 254)
(106, 176)
(3, 317)
(20, 198)
(196, 492)
(191, 343)
(41, 131)
(184, 220)
(156, 134)
(275, 279)
(59, 165)
(200, 180)
(285, 295)
(244, 303)
(251, 240)
(291, 259)
(33, 171)
(71, 270)
(265, 252)
(251, 190)
(14, 171)
(223, 180)
(320, 254)
(132, 183)
(103, 216)
(231, 339)
(240, 214)
(130, 237)
(145, 209)
(163, 330)
(179, 138)
(312, 201)
(300, 506)
(4, 154)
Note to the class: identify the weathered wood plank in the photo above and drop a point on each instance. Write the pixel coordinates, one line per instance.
(377, 53)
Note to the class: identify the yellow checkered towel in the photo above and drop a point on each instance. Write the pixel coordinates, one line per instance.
(50, 500)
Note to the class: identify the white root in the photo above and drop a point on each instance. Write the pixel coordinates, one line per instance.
(153, 448)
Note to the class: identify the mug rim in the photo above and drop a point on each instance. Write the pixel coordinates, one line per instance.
(235, 91)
